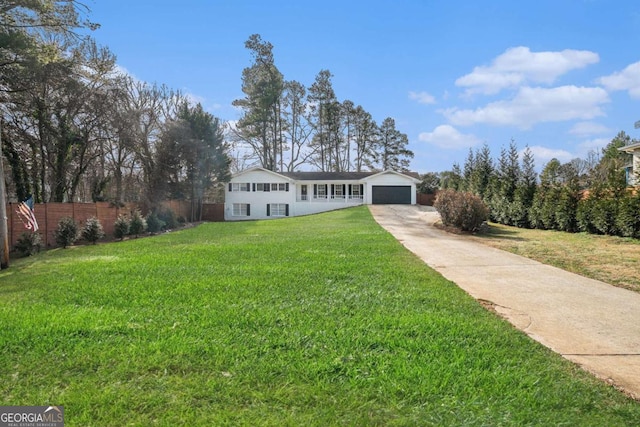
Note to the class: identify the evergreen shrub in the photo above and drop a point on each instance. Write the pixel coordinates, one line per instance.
(92, 231)
(67, 232)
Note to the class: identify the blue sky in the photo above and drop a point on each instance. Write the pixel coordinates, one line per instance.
(562, 76)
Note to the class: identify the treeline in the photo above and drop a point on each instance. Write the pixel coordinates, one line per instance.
(285, 125)
(74, 128)
(588, 195)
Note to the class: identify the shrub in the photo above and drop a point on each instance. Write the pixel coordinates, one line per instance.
(154, 224)
(92, 231)
(628, 218)
(137, 225)
(603, 216)
(169, 218)
(121, 227)
(465, 211)
(584, 215)
(67, 232)
(29, 243)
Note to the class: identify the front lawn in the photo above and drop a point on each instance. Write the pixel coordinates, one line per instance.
(319, 320)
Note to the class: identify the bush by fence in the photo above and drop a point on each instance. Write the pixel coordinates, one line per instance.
(49, 214)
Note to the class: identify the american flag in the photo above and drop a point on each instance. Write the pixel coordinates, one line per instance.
(25, 211)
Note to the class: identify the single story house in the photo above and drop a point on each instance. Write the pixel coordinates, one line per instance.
(633, 169)
(258, 193)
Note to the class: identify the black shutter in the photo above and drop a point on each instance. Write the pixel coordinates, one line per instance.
(230, 187)
(362, 190)
(268, 209)
(315, 190)
(344, 189)
(248, 186)
(332, 189)
(350, 186)
(254, 186)
(248, 210)
(287, 210)
(267, 186)
(287, 186)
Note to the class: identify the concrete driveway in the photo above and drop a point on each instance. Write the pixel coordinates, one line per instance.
(591, 323)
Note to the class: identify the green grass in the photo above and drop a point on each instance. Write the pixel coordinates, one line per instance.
(611, 259)
(319, 320)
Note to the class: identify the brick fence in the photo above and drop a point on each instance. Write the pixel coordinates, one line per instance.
(49, 214)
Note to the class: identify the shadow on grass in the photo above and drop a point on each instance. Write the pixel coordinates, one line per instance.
(494, 232)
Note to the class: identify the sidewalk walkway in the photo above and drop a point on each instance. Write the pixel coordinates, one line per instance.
(591, 323)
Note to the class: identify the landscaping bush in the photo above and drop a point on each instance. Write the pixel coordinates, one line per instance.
(154, 223)
(92, 231)
(137, 225)
(169, 218)
(584, 215)
(628, 218)
(603, 216)
(29, 243)
(67, 232)
(121, 227)
(465, 211)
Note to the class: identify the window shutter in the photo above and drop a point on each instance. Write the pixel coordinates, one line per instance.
(287, 210)
(248, 210)
(254, 186)
(361, 190)
(248, 186)
(315, 189)
(350, 186)
(268, 209)
(287, 186)
(333, 187)
(267, 186)
(230, 186)
(344, 189)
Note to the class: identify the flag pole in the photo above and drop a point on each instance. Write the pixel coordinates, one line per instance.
(4, 231)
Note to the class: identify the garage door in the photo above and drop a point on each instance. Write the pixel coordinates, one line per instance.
(391, 195)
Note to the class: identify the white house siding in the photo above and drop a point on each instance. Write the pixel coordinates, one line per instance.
(388, 178)
(257, 200)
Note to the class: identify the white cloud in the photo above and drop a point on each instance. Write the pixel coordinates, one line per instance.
(422, 97)
(595, 145)
(518, 66)
(588, 128)
(542, 155)
(446, 136)
(627, 79)
(535, 105)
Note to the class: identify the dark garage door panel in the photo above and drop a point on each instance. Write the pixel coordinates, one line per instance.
(391, 195)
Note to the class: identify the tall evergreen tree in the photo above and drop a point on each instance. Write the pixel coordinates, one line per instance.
(391, 148)
(260, 125)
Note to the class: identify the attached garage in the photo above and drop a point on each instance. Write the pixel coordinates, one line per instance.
(391, 194)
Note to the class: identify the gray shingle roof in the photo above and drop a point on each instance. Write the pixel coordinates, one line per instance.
(327, 176)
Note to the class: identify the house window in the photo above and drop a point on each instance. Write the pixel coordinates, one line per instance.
(355, 191)
(321, 191)
(337, 192)
(277, 209)
(240, 186)
(259, 186)
(279, 186)
(241, 209)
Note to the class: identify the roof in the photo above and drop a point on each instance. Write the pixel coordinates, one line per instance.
(630, 147)
(327, 176)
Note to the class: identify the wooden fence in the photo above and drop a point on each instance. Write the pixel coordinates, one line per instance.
(49, 214)
(425, 199)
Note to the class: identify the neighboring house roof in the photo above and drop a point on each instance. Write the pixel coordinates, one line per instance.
(630, 148)
(329, 176)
